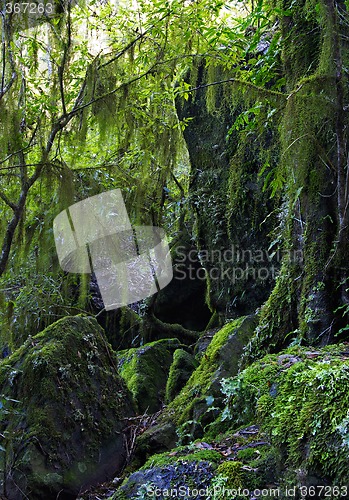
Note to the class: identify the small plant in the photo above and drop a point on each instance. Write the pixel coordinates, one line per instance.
(185, 432)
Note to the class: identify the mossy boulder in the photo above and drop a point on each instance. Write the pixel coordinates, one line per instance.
(203, 389)
(63, 412)
(198, 470)
(197, 405)
(300, 399)
(180, 371)
(145, 370)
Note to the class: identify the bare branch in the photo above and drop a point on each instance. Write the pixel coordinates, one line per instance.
(6, 88)
(7, 201)
(64, 61)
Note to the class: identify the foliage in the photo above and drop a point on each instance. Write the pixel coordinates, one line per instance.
(81, 114)
(34, 299)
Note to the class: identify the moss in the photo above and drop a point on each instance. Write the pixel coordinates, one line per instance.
(300, 398)
(225, 193)
(311, 116)
(246, 454)
(232, 471)
(183, 454)
(145, 370)
(192, 412)
(277, 317)
(200, 383)
(217, 430)
(181, 369)
(196, 406)
(69, 409)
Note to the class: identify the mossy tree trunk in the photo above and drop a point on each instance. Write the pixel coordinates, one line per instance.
(310, 300)
(308, 154)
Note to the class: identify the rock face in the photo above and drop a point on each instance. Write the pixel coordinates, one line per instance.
(227, 197)
(145, 370)
(63, 412)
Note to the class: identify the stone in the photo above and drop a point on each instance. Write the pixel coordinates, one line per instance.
(180, 371)
(145, 370)
(64, 410)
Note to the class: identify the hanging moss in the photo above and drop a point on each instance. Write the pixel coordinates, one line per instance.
(301, 306)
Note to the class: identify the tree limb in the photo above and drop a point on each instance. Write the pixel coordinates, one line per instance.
(7, 201)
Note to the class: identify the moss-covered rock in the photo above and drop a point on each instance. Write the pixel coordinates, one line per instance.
(300, 398)
(63, 411)
(145, 370)
(202, 470)
(197, 405)
(176, 474)
(180, 371)
(191, 409)
(288, 427)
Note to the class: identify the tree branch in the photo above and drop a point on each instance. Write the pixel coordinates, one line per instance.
(6, 39)
(234, 80)
(61, 67)
(7, 201)
(75, 110)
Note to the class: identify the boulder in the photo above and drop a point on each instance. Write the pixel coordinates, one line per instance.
(176, 474)
(180, 371)
(145, 370)
(63, 412)
(199, 402)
